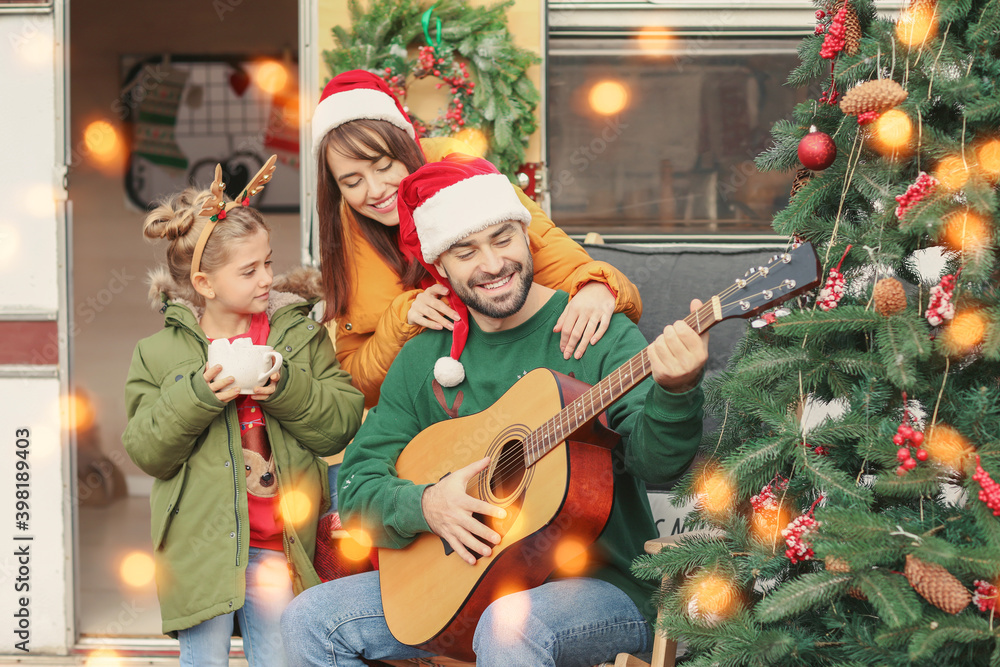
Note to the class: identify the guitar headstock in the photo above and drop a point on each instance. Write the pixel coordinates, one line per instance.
(784, 276)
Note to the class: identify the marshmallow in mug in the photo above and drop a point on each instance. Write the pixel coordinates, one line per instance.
(251, 365)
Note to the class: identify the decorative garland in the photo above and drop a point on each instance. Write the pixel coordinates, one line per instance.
(455, 43)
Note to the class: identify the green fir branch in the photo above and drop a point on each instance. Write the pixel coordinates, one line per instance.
(833, 482)
(797, 596)
(962, 629)
(891, 595)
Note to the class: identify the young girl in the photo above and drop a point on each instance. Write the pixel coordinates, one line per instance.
(364, 145)
(239, 485)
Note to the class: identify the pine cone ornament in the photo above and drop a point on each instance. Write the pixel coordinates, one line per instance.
(852, 30)
(835, 564)
(802, 176)
(840, 566)
(890, 297)
(878, 96)
(937, 585)
(926, 7)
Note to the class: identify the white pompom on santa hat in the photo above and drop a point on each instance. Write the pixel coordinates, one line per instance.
(440, 204)
(356, 95)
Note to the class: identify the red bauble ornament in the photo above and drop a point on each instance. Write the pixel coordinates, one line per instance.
(817, 150)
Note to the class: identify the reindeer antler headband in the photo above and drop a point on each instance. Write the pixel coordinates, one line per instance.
(215, 208)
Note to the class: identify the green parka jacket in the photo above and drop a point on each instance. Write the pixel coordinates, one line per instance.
(187, 439)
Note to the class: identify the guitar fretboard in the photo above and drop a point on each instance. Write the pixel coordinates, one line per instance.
(598, 398)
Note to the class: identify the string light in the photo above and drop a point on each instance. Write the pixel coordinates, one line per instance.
(271, 77)
(965, 230)
(474, 139)
(716, 493)
(917, 25)
(101, 139)
(608, 97)
(952, 172)
(137, 569)
(892, 132)
(966, 331)
(357, 546)
(571, 557)
(946, 446)
(296, 506)
(988, 158)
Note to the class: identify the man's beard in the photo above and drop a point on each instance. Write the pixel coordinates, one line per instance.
(505, 306)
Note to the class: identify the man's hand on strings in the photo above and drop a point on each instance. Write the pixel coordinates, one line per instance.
(449, 510)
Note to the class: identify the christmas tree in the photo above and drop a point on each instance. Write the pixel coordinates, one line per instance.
(871, 535)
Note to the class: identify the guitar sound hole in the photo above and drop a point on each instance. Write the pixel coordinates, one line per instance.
(508, 471)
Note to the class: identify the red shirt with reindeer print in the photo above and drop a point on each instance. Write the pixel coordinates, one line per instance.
(262, 480)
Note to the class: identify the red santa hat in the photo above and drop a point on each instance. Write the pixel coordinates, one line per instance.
(440, 204)
(355, 95)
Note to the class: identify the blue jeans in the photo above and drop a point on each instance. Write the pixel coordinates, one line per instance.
(269, 590)
(571, 622)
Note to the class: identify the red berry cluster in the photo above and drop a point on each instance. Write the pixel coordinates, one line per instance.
(832, 292)
(835, 36)
(767, 499)
(985, 596)
(820, 450)
(919, 189)
(990, 491)
(820, 28)
(866, 117)
(940, 307)
(426, 57)
(798, 548)
(906, 437)
(453, 73)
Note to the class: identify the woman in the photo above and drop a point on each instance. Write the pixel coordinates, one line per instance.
(365, 144)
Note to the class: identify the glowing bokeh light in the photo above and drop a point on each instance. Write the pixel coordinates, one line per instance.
(952, 172)
(36, 50)
(101, 139)
(946, 446)
(103, 657)
(137, 569)
(571, 557)
(966, 330)
(271, 77)
(357, 546)
(476, 141)
(892, 132)
(917, 25)
(768, 524)
(272, 573)
(296, 506)
(713, 597)
(608, 97)
(716, 493)
(653, 39)
(10, 245)
(39, 200)
(988, 158)
(965, 231)
(77, 412)
(515, 610)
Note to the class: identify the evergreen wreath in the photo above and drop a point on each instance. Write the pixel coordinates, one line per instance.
(456, 43)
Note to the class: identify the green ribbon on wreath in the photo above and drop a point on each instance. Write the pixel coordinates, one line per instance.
(425, 20)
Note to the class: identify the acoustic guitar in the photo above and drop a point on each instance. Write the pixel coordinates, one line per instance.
(550, 468)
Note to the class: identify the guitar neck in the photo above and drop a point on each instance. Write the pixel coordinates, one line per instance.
(599, 398)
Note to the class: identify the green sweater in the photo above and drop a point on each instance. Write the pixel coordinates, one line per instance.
(660, 432)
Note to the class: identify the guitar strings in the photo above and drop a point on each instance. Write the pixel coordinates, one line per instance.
(505, 471)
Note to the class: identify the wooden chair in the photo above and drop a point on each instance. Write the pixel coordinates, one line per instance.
(664, 648)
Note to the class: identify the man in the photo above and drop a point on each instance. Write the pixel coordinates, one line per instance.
(461, 218)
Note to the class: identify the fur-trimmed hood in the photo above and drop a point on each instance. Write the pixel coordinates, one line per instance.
(297, 286)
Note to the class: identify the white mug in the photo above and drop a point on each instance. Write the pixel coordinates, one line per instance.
(251, 365)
